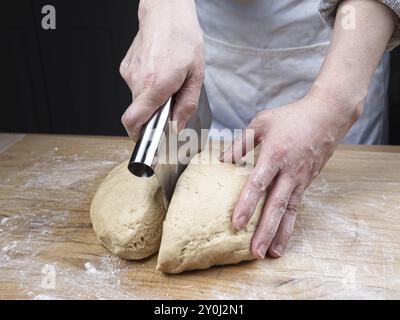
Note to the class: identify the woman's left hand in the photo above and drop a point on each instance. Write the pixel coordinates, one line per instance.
(296, 142)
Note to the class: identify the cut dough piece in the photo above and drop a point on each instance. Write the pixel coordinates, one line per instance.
(197, 232)
(127, 214)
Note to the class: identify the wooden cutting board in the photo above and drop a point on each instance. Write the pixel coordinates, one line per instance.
(346, 242)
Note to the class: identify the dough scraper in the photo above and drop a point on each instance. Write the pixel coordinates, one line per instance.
(157, 150)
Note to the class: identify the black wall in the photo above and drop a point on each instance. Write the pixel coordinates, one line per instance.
(394, 97)
(67, 80)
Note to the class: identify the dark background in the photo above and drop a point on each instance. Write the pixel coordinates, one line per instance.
(67, 80)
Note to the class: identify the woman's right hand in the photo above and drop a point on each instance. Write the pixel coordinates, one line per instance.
(166, 58)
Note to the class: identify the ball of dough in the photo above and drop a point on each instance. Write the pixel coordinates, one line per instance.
(198, 232)
(127, 214)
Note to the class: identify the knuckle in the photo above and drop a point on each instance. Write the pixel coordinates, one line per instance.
(292, 209)
(297, 174)
(159, 87)
(279, 154)
(279, 206)
(191, 106)
(199, 76)
(122, 69)
(125, 120)
(258, 183)
(142, 81)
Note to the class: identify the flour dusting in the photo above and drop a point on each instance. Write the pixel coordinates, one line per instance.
(30, 236)
(59, 172)
(339, 249)
(90, 268)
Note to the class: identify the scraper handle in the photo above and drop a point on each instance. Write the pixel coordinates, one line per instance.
(143, 160)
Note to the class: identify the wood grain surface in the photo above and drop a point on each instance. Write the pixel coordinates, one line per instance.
(346, 242)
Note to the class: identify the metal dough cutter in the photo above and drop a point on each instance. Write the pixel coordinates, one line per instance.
(157, 148)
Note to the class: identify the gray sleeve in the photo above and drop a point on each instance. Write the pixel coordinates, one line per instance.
(327, 9)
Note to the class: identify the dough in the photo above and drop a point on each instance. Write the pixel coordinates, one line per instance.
(127, 214)
(197, 232)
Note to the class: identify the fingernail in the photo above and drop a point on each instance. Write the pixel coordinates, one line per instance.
(278, 249)
(241, 222)
(262, 250)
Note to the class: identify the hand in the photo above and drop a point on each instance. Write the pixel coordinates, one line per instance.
(165, 58)
(296, 142)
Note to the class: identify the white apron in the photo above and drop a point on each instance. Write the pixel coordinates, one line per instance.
(267, 53)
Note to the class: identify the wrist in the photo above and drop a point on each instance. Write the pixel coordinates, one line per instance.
(349, 103)
(151, 6)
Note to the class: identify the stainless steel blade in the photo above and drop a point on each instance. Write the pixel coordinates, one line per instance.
(154, 145)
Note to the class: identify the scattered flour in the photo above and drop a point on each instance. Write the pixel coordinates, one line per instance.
(60, 173)
(28, 236)
(45, 297)
(90, 268)
(308, 269)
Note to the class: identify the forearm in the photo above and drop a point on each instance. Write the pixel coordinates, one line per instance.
(354, 53)
(178, 8)
(172, 20)
(166, 58)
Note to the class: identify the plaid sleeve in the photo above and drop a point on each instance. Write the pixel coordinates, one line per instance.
(328, 8)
